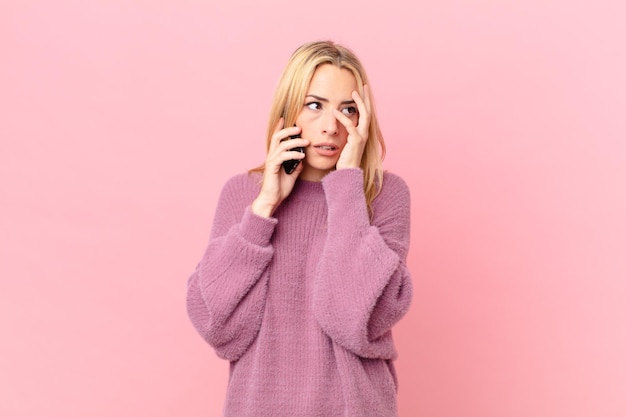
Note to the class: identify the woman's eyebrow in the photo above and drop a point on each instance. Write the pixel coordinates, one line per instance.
(325, 100)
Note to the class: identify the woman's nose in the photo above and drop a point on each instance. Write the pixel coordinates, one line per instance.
(330, 123)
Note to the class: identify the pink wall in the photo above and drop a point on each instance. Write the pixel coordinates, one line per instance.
(120, 121)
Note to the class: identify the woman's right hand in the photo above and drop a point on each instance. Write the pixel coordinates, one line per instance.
(277, 184)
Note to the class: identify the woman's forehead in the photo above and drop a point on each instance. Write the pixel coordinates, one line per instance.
(333, 80)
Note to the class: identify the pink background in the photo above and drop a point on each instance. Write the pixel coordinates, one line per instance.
(121, 120)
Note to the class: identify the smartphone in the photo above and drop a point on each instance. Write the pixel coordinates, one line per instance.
(292, 164)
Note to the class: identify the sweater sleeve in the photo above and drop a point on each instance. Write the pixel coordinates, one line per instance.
(362, 284)
(226, 293)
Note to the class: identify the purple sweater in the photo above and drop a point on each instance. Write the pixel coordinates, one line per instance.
(302, 304)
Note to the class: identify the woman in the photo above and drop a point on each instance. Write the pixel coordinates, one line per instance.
(305, 273)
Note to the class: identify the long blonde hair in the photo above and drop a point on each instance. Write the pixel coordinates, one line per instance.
(291, 91)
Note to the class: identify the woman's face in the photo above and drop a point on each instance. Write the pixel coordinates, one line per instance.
(331, 88)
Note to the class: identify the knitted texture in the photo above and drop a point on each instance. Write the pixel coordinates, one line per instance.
(302, 304)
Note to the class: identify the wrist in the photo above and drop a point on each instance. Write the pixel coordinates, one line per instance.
(347, 164)
(262, 208)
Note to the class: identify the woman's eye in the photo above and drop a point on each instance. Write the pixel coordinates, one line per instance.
(314, 105)
(349, 111)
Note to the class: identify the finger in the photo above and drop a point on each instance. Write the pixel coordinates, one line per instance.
(343, 119)
(280, 133)
(296, 172)
(279, 125)
(292, 143)
(277, 128)
(287, 155)
(363, 103)
(364, 111)
(346, 121)
(274, 164)
(367, 98)
(283, 151)
(360, 104)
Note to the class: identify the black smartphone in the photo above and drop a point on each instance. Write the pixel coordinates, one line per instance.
(292, 164)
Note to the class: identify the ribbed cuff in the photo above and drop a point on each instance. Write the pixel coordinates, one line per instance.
(257, 229)
(345, 197)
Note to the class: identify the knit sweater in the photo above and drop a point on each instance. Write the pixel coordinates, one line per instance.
(302, 303)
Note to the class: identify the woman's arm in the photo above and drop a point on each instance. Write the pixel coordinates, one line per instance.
(226, 293)
(362, 286)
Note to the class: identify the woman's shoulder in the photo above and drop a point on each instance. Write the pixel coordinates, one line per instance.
(393, 184)
(244, 180)
(243, 184)
(393, 201)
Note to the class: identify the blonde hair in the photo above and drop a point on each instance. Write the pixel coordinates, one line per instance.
(291, 91)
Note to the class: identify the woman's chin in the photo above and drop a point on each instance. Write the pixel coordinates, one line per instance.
(316, 172)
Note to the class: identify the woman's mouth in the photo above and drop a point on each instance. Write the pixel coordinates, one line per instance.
(326, 149)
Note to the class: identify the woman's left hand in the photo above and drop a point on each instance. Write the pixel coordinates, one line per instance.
(357, 135)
